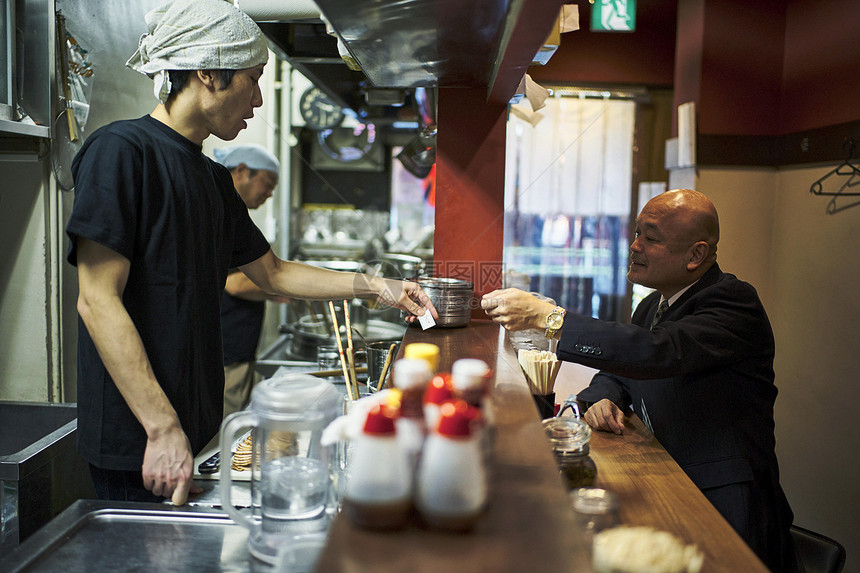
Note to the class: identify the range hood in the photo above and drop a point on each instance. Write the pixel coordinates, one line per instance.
(407, 44)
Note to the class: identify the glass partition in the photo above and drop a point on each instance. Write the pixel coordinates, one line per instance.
(568, 200)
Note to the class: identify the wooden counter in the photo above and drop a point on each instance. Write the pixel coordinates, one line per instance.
(653, 490)
(529, 525)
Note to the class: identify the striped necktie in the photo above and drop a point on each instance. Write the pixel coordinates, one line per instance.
(661, 310)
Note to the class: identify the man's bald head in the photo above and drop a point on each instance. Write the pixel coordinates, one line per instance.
(676, 241)
(690, 216)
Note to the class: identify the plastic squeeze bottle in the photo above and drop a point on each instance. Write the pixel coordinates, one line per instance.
(438, 391)
(452, 485)
(469, 378)
(378, 490)
(425, 351)
(470, 381)
(411, 376)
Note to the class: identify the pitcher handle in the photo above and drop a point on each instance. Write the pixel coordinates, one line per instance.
(233, 422)
(570, 402)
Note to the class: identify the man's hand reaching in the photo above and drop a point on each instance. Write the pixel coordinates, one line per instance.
(515, 309)
(605, 415)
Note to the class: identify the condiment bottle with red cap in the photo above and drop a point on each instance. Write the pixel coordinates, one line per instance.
(411, 376)
(378, 490)
(469, 378)
(470, 381)
(451, 488)
(438, 391)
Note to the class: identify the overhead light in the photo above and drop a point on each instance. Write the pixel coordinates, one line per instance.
(405, 125)
(419, 155)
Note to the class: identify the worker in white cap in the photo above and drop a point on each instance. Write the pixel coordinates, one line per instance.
(155, 227)
(254, 169)
(243, 305)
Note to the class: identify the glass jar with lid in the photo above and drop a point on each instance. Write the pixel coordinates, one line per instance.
(568, 437)
(596, 509)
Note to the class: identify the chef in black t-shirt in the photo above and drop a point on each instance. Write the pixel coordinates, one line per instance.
(255, 174)
(154, 229)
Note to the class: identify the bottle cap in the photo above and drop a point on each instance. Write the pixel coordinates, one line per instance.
(469, 373)
(425, 351)
(380, 421)
(411, 373)
(438, 390)
(456, 418)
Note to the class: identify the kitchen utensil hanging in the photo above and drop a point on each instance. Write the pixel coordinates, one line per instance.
(63, 150)
(66, 140)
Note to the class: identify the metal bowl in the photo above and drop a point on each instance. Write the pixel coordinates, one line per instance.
(452, 299)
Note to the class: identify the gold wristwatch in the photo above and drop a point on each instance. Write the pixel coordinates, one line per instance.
(554, 321)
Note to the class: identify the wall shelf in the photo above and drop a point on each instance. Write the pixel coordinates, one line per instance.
(17, 128)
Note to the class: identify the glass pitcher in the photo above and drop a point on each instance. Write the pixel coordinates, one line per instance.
(291, 471)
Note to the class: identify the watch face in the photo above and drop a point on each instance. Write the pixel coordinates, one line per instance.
(555, 320)
(318, 110)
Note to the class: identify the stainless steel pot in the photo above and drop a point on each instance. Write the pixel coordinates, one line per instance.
(452, 299)
(304, 343)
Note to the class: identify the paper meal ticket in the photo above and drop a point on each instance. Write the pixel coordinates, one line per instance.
(426, 321)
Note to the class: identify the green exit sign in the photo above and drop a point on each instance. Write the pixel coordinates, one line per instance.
(613, 16)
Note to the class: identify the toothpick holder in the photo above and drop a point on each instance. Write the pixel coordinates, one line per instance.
(545, 404)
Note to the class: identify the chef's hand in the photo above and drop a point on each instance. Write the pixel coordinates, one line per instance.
(168, 465)
(605, 415)
(515, 309)
(406, 296)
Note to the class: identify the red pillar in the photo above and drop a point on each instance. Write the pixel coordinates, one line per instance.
(470, 189)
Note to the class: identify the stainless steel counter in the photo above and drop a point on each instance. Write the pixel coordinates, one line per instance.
(40, 472)
(113, 536)
(101, 536)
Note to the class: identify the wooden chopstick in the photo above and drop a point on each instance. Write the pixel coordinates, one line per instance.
(385, 366)
(351, 354)
(327, 373)
(340, 350)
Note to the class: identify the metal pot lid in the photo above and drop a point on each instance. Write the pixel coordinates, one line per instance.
(376, 330)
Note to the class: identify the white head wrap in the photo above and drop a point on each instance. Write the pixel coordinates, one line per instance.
(253, 155)
(197, 35)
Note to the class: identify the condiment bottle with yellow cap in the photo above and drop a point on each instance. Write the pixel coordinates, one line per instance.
(424, 351)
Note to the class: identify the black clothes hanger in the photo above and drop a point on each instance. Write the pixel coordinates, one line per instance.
(848, 173)
(847, 168)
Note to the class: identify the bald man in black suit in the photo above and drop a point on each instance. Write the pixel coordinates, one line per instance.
(698, 371)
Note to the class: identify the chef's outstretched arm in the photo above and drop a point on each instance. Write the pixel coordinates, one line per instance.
(298, 280)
